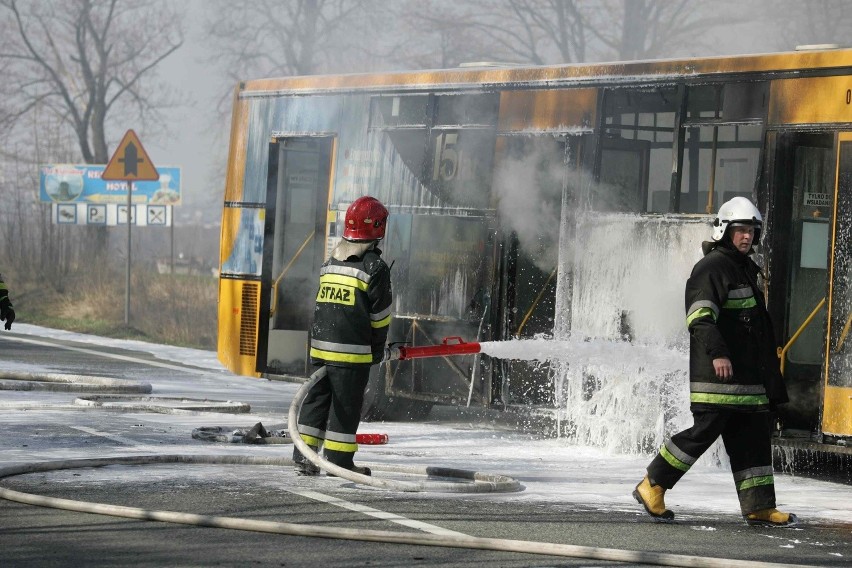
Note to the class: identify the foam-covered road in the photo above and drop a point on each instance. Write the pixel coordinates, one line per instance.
(571, 496)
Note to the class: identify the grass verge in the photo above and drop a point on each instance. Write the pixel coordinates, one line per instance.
(170, 309)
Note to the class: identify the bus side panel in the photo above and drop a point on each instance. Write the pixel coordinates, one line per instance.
(237, 335)
(236, 343)
(238, 317)
(228, 233)
(836, 418)
(547, 110)
(837, 386)
(816, 100)
(237, 152)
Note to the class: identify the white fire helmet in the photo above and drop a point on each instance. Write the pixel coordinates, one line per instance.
(737, 210)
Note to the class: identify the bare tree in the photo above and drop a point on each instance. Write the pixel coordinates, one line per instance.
(808, 23)
(651, 29)
(252, 38)
(430, 34)
(85, 61)
(536, 31)
(568, 31)
(444, 34)
(30, 244)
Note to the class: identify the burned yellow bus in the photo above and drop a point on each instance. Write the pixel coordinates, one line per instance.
(541, 202)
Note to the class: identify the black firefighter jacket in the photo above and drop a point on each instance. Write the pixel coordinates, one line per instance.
(726, 316)
(353, 311)
(5, 302)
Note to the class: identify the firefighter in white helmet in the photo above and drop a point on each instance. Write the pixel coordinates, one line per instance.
(348, 336)
(734, 374)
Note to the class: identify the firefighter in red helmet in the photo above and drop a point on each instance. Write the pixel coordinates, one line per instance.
(348, 335)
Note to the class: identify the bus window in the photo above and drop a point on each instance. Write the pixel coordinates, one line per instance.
(398, 146)
(443, 269)
(719, 163)
(400, 111)
(435, 150)
(470, 110)
(400, 166)
(460, 172)
(462, 149)
(813, 174)
(728, 102)
(636, 150)
(722, 144)
(440, 265)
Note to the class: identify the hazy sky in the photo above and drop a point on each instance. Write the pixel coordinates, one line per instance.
(194, 143)
(198, 137)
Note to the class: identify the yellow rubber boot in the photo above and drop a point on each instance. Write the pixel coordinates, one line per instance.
(771, 518)
(651, 497)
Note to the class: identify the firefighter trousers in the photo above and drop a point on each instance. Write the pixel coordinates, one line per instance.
(747, 438)
(331, 413)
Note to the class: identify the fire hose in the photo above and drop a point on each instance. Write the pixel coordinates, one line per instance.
(464, 481)
(482, 482)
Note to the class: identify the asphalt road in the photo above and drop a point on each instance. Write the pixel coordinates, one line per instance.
(32, 536)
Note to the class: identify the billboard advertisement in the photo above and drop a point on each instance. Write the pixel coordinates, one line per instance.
(71, 183)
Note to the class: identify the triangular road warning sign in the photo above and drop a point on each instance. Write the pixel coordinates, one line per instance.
(130, 162)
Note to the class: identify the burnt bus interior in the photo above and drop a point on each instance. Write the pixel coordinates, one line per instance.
(294, 248)
(443, 241)
(452, 145)
(802, 167)
(676, 149)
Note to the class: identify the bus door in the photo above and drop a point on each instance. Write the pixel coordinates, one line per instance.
(837, 385)
(800, 216)
(294, 248)
(529, 180)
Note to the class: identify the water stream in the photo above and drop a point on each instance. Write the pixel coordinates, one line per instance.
(620, 347)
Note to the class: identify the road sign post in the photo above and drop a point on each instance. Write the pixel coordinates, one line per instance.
(127, 268)
(129, 163)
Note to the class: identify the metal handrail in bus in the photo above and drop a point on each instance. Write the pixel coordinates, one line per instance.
(412, 333)
(782, 351)
(534, 304)
(843, 334)
(712, 187)
(415, 327)
(274, 302)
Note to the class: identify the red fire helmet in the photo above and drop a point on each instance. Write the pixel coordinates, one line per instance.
(365, 220)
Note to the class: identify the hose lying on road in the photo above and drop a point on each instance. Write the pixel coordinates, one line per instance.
(62, 382)
(452, 541)
(162, 404)
(481, 482)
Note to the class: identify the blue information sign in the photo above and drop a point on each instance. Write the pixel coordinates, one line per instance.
(67, 183)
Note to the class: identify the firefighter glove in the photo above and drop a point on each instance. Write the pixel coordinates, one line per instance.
(391, 354)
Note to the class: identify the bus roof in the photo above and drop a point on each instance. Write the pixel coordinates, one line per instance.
(794, 63)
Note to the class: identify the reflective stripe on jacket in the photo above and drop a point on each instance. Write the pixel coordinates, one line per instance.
(726, 316)
(352, 312)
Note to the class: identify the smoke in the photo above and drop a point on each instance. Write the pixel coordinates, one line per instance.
(528, 182)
